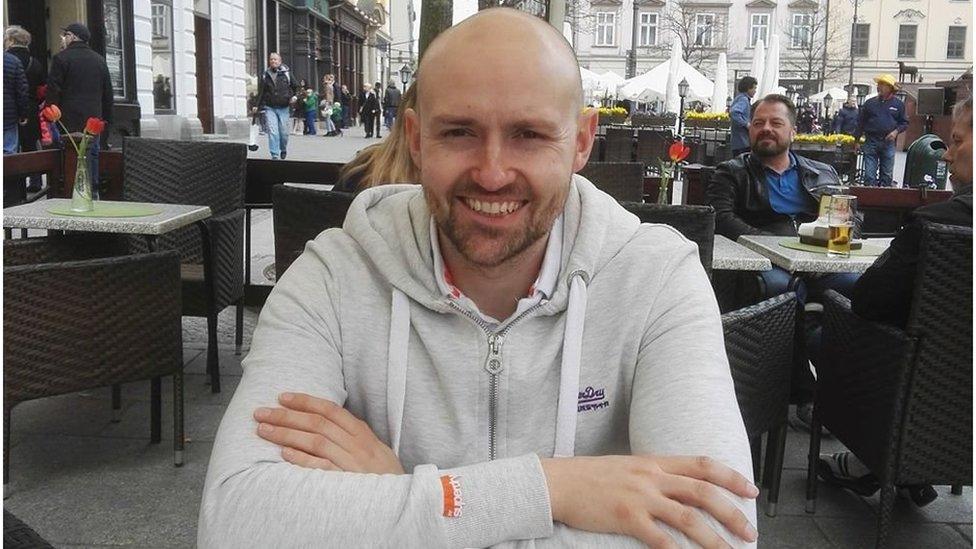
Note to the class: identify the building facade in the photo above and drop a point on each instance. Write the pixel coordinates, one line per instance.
(403, 47)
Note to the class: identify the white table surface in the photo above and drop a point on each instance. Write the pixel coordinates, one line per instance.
(728, 255)
(35, 216)
(798, 261)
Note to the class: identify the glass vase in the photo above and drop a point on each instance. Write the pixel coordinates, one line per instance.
(662, 193)
(81, 195)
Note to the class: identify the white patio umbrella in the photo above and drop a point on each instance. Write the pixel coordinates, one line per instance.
(652, 84)
(612, 79)
(758, 65)
(836, 94)
(770, 80)
(672, 101)
(721, 88)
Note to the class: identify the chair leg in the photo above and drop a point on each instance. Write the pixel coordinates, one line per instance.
(888, 493)
(811, 505)
(755, 444)
(957, 489)
(213, 365)
(116, 403)
(156, 410)
(6, 445)
(178, 431)
(239, 336)
(775, 451)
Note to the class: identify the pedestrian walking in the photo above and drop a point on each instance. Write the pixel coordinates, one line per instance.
(311, 111)
(880, 121)
(337, 113)
(326, 99)
(845, 121)
(378, 90)
(278, 89)
(14, 102)
(16, 41)
(80, 85)
(345, 99)
(806, 119)
(391, 102)
(740, 112)
(370, 109)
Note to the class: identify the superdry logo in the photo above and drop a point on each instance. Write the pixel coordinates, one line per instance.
(592, 399)
(453, 502)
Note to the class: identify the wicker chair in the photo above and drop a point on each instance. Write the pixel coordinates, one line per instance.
(72, 322)
(759, 344)
(902, 400)
(299, 216)
(619, 145)
(696, 223)
(596, 153)
(621, 180)
(207, 174)
(17, 535)
(652, 147)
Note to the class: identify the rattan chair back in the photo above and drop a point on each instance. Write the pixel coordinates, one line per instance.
(300, 214)
(652, 146)
(619, 144)
(696, 223)
(621, 180)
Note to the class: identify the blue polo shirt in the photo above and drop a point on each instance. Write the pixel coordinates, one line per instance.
(785, 195)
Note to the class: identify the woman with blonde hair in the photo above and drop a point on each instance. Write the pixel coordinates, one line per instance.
(386, 162)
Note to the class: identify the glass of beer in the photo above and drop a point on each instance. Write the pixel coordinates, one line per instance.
(840, 224)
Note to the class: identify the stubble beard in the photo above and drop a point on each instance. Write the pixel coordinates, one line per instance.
(764, 151)
(487, 247)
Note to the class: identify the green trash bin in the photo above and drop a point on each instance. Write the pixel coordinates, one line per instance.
(924, 166)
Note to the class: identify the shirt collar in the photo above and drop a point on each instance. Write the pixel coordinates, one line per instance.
(791, 167)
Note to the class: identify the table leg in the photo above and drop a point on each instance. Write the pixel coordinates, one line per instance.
(247, 249)
(8, 233)
(803, 383)
(116, 403)
(156, 410)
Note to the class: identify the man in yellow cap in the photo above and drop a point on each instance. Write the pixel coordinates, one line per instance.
(882, 118)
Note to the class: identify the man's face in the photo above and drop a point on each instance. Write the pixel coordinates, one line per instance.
(752, 91)
(497, 146)
(770, 132)
(66, 38)
(850, 103)
(960, 153)
(885, 89)
(274, 61)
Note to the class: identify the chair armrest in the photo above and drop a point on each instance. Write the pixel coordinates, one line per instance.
(224, 246)
(862, 380)
(52, 249)
(77, 325)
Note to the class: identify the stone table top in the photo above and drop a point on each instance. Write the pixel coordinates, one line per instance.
(728, 255)
(798, 261)
(35, 216)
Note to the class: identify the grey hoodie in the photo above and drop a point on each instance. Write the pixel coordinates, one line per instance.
(627, 357)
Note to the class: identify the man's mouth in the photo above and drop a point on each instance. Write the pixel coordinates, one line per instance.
(493, 208)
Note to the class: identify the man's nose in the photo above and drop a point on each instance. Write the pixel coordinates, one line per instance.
(493, 171)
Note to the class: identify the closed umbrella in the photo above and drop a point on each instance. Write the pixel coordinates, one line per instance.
(721, 90)
(672, 101)
(770, 80)
(758, 65)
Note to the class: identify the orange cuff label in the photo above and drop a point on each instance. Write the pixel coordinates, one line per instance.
(453, 503)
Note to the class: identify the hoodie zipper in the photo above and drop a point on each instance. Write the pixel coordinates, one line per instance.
(493, 365)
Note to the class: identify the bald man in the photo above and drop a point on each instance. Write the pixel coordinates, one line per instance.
(501, 355)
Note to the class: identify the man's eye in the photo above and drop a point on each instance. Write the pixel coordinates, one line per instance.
(456, 132)
(529, 134)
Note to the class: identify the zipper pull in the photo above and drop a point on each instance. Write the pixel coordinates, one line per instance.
(493, 364)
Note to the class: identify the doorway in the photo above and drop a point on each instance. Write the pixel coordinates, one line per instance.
(205, 109)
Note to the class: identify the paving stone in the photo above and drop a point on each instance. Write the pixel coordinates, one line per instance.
(787, 532)
(79, 414)
(946, 508)
(798, 447)
(855, 533)
(227, 360)
(200, 423)
(966, 530)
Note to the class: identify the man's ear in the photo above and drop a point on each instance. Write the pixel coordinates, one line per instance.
(411, 128)
(585, 136)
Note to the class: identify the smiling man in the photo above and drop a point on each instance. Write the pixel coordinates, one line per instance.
(501, 356)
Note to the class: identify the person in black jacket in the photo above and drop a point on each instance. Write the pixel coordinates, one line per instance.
(846, 119)
(391, 102)
(370, 109)
(16, 41)
(884, 293)
(80, 85)
(14, 101)
(278, 91)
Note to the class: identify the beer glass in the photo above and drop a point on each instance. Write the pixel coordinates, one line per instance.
(840, 224)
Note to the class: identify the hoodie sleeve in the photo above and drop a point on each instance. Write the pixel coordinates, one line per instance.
(683, 400)
(253, 498)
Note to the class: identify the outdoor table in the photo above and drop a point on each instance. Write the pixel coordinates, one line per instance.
(798, 261)
(36, 215)
(728, 255)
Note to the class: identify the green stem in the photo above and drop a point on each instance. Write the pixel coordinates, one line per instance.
(68, 135)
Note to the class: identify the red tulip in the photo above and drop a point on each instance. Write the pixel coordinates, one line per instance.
(94, 126)
(51, 113)
(678, 151)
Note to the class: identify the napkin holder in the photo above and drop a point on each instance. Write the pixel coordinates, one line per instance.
(815, 234)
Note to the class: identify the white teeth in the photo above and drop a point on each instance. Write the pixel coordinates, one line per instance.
(492, 208)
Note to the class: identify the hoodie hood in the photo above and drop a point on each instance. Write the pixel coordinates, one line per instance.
(596, 227)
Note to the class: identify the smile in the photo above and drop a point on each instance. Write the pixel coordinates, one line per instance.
(497, 209)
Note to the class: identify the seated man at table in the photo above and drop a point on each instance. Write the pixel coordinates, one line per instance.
(771, 191)
(884, 292)
(498, 355)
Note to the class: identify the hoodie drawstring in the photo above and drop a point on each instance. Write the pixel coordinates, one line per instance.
(565, 444)
(396, 372)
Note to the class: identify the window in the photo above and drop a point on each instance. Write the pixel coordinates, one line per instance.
(648, 29)
(606, 26)
(859, 46)
(802, 30)
(114, 50)
(957, 43)
(252, 57)
(759, 30)
(162, 55)
(704, 25)
(906, 40)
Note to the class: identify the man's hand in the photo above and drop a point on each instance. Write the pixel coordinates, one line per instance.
(320, 434)
(892, 136)
(626, 494)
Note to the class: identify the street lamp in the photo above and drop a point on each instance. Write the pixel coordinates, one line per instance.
(828, 102)
(682, 92)
(860, 97)
(405, 75)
